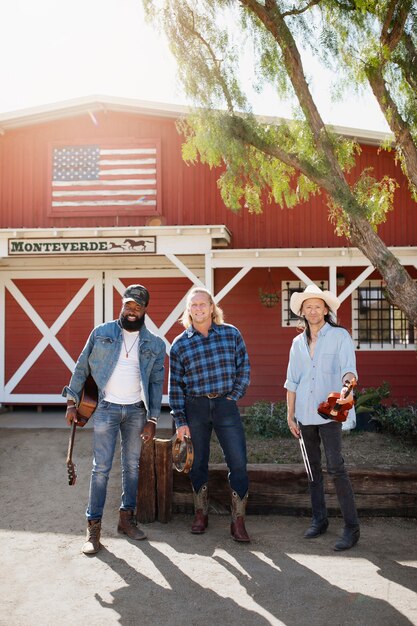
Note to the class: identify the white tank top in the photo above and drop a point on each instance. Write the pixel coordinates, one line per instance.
(124, 385)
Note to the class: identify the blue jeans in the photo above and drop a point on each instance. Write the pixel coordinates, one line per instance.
(203, 415)
(108, 420)
(331, 436)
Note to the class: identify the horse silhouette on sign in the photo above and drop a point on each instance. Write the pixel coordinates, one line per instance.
(139, 244)
(112, 246)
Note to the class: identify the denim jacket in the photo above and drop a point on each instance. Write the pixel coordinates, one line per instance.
(100, 355)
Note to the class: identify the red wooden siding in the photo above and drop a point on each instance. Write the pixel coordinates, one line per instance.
(189, 193)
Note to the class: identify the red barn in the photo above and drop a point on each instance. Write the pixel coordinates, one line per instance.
(94, 195)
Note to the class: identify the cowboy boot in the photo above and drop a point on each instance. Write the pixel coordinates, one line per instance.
(92, 541)
(128, 526)
(200, 522)
(349, 538)
(237, 527)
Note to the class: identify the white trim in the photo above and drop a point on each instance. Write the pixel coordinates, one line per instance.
(98, 103)
(213, 235)
(304, 257)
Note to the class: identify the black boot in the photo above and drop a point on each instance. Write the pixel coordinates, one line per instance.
(316, 529)
(349, 538)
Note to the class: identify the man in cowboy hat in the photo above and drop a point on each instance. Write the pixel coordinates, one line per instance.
(322, 359)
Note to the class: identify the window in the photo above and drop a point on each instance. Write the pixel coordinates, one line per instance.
(377, 324)
(288, 288)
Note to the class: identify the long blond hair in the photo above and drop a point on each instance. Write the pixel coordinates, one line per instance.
(217, 315)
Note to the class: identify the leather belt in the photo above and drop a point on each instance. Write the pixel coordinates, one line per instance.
(213, 395)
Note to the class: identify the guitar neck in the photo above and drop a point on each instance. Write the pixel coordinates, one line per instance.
(71, 442)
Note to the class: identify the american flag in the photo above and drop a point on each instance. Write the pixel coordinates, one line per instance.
(93, 176)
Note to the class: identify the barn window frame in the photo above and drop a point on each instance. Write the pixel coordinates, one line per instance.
(376, 323)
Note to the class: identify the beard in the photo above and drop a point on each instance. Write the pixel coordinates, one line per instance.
(131, 325)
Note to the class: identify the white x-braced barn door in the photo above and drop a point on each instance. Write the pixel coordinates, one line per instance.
(45, 319)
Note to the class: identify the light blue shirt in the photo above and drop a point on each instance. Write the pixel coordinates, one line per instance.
(313, 378)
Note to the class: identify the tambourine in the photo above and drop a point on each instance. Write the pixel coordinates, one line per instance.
(182, 454)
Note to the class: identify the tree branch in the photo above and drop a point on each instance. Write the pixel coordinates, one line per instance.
(398, 126)
(308, 6)
(216, 63)
(393, 26)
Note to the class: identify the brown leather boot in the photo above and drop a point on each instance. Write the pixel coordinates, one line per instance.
(237, 527)
(92, 541)
(128, 526)
(200, 522)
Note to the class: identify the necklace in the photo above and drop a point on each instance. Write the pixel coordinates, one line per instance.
(124, 342)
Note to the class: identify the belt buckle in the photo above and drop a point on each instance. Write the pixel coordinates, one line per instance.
(211, 396)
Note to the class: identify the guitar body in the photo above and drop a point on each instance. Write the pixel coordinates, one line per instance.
(88, 401)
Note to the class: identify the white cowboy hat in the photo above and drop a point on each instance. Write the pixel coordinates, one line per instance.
(312, 291)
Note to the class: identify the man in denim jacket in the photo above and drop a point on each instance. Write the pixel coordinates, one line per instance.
(126, 361)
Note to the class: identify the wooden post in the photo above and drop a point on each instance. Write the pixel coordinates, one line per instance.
(146, 497)
(164, 478)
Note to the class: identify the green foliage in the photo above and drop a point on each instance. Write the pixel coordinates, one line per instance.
(399, 421)
(267, 420)
(376, 196)
(369, 399)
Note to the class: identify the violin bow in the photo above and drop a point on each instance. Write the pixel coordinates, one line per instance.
(304, 454)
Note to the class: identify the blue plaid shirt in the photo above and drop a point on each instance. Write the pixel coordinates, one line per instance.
(218, 363)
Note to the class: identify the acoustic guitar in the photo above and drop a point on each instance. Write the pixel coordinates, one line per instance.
(87, 406)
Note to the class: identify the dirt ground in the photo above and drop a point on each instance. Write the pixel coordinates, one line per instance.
(176, 578)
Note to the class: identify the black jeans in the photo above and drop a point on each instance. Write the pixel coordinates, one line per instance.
(331, 436)
(222, 415)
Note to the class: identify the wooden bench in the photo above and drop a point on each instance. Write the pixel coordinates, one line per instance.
(379, 491)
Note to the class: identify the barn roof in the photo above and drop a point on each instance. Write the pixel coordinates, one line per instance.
(96, 103)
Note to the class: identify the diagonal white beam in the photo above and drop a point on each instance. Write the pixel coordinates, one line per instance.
(184, 269)
(232, 282)
(355, 283)
(301, 275)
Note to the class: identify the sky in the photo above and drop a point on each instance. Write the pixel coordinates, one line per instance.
(57, 50)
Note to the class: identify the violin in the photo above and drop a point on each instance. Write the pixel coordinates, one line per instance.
(332, 410)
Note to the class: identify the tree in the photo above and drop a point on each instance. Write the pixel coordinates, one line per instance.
(377, 41)
(292, 159)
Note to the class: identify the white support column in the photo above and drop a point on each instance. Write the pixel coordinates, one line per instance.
(209, 272)
(333, 278)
